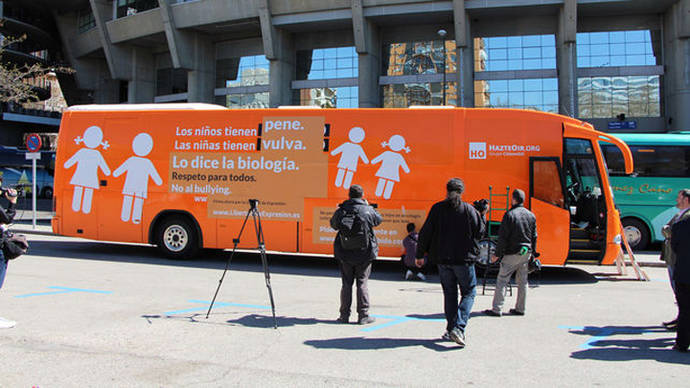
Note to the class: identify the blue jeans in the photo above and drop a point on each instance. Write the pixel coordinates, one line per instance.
(453, 276)
(3, 268)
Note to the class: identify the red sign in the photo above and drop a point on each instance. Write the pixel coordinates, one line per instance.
(33, 142)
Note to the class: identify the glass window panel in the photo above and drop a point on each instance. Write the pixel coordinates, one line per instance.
(531, 41)
(531, 52)
(550, 83)
(516, 53)
(616, 48)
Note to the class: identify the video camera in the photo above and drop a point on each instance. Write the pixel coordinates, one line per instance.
(481, 205)
(18, 191)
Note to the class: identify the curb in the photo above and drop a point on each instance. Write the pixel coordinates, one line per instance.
(33, 231)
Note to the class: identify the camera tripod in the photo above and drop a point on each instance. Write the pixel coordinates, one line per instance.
(256, 217)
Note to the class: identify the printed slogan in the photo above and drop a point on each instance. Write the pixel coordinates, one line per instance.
(280, 162)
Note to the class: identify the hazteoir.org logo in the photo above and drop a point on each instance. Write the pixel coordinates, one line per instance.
(477, 150)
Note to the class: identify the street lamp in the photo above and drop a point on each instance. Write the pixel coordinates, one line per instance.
(442, 33)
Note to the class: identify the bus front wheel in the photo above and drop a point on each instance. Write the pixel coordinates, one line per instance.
(177, 238)
(636, 233)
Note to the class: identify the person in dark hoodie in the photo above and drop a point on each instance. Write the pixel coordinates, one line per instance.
(355, 248)
(450, 235)
(517, 242)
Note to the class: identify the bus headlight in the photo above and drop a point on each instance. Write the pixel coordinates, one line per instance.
(617, 239)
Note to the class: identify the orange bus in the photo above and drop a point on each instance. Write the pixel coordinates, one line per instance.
(179, 176)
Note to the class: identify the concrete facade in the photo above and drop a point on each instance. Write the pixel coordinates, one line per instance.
(196, 34)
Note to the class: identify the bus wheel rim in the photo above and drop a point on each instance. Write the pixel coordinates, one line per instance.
(633, 235)
(175, 238)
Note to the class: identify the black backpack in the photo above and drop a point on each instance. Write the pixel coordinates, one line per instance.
(354, 231)
(14, 245)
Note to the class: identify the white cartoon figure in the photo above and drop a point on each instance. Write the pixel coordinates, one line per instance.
(88, 161)
(392, 161)
(138, 169)
(350, 155)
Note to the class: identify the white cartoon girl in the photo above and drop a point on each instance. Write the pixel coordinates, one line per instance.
(391, 162)
(88, 160)
(351, 153)
(138, 169)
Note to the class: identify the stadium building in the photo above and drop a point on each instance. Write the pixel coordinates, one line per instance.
(618, 64)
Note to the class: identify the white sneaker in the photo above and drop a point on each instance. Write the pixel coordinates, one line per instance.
(6, 323)
(421, 276)
(408, 275)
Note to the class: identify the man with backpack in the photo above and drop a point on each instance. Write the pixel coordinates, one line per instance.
(6, 217)
(450, 236)
(355, 247)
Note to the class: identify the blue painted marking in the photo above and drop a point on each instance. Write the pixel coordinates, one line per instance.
(395, 320)
(63, 290)
(600, 334)
(217, 304)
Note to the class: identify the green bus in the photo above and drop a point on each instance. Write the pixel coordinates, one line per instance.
(647, 198)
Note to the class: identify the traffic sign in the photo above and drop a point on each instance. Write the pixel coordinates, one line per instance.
(33, 142)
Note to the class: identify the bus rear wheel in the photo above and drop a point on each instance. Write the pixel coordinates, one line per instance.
(636, 233)
(177, 238)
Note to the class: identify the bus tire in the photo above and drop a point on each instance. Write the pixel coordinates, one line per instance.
(177, 238)
(637, 233)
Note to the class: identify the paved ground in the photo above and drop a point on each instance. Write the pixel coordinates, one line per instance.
(93, 313)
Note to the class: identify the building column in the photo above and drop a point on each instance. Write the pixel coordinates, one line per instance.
(191, 51)
(201, 79)
(566, 58)
(464, 55)
(368, 47)
(142, 86)
(677, 66)
(280, 51)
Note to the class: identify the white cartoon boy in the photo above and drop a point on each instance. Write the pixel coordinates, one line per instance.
(88, 160)
(350, 155)
(391, 162)
(138, 169)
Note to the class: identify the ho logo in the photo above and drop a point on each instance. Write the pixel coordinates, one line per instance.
(477, 150)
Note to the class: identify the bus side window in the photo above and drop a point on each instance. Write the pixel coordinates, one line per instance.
(547, 183)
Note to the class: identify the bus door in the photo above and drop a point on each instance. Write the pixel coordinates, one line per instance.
(586, 202)
(547, 202)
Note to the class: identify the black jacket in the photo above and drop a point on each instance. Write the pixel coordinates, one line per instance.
(518, 229)
(451, 236)
(680, 243)
(372, 217)
(7, 215)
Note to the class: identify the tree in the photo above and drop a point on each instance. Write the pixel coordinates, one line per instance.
(14, 77)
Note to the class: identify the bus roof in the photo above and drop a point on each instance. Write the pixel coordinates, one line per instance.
(141, 107)
(654, 138)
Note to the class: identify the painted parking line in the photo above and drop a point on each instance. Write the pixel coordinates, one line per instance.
(600, 333)
(217, 304)
(63, 290)
(396, 320)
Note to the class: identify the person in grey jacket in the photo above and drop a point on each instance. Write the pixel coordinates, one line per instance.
(517, 242)
(355, 264)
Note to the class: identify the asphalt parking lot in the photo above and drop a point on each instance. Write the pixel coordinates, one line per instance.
(103, 314)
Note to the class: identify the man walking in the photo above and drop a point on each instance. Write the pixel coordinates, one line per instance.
(680, 244)
(667, 254)
(355, 247)
(517, 242)
(450, 236)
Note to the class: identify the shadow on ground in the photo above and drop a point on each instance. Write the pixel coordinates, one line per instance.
(364, 343)
(603, 347)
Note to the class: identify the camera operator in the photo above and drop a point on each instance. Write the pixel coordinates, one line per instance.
(6, 217)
